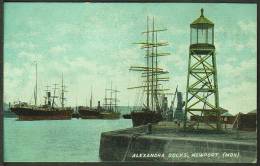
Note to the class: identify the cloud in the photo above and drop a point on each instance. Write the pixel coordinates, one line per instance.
(29, 56)
(19, 81)
(175, 30)
(239, 71)
(20, 45)
(249, 43)
(240, 97)
(59, 49)
(220, 30)
(95, 48)
(247, 26)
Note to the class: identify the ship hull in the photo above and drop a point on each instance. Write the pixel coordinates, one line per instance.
(144, 117)
(127, 116)
(110, 115)
(34, 113)
(44, 117)
(89, 117)
(88, 114)
(75, 115)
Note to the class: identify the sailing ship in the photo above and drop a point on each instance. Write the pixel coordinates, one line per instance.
(110, 107)
(108, 111)
(86, 112)
(48, 111)
(152, 110)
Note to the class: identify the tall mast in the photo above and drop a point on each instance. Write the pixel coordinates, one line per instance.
(111, 97)
(151, 72)
(115, 99)
(147, 64)
(36, 80)
(106, 99)
(90, 102)
(156, 73)
(62, 92)
(152, 91)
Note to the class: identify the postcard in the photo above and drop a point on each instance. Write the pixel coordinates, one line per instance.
(128, 82)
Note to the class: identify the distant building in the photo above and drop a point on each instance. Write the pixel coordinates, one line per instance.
(179, 113)
(246, 122)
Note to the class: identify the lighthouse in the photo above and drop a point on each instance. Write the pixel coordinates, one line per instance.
(202, 97)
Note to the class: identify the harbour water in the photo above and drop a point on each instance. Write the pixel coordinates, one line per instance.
(73, 140)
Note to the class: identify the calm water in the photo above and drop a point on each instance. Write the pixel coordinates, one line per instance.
(73, 140)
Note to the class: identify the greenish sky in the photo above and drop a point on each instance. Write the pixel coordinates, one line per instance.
(91, 44)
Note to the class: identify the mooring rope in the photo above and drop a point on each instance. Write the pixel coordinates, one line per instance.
(135, 135)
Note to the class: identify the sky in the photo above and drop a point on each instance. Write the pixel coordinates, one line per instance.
(92, 45)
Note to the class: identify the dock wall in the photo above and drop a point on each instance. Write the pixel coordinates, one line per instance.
(120, 146)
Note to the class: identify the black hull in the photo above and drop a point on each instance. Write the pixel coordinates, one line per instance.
(109, 115)
(38, 113)
(127, 116)
(75, 115)
(145, 117)
(86, 113)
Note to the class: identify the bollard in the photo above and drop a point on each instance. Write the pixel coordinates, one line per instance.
(149, 128)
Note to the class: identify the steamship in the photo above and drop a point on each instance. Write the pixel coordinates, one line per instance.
(48, 111)
(108, 111)
(86, 112)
